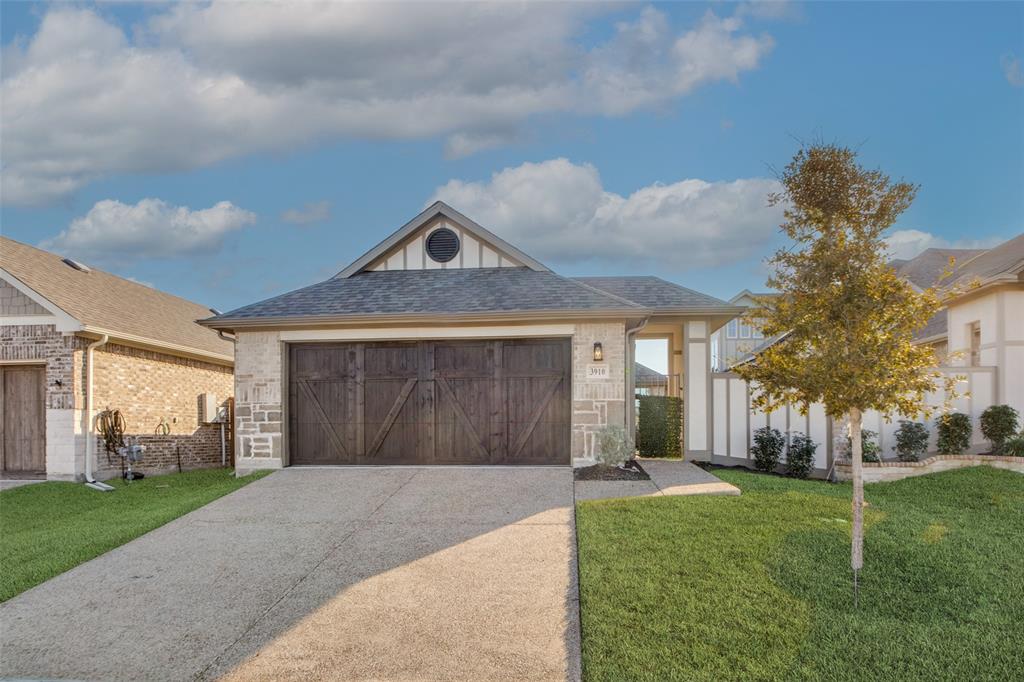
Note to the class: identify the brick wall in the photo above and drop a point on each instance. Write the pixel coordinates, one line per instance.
(151, 389)
(597, 403)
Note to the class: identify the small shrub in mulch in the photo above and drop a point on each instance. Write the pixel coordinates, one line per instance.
(631, 471)
(767, 448)
(800, 456)
(911, 441)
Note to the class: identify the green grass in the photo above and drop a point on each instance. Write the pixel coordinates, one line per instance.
(758, 587)
(48, 528)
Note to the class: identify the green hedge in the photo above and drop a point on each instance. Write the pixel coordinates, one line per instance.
(658, 426)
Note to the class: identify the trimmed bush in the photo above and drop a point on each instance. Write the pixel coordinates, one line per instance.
(800, 456)
(767, 449)
(658, 426)
(999, 423)
(911, 440)
(869, 450)
(1014, 446)
(954, 433)
(614, 445)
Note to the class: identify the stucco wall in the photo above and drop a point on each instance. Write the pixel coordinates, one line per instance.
(260, 376)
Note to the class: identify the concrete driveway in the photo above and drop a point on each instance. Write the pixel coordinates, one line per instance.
(346, 574)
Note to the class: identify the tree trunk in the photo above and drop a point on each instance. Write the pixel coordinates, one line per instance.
(857, 549)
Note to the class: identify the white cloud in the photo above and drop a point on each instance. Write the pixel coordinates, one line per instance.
(201, 83)
(1012, 70)
(559, 211)
(149, 229)
(315, 212)
(907, 244)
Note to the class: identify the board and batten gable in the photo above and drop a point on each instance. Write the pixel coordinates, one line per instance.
(474, 252)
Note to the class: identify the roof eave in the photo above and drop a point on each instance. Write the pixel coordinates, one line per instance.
(159, 346)
(436, 318)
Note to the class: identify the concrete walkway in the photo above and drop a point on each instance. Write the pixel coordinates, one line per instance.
(668, 477)
(342, 574)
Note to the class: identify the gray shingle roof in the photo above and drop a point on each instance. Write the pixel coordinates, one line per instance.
(655, 293)
(435, 292)
(927, 267)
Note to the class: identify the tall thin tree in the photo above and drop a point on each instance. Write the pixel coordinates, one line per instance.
(845, 319)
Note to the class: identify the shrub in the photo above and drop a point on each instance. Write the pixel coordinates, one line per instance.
(658, 425)
(614, 445)
(999, 423)
(767, 450)
(869, 450)
(911, 440)
(800, 456)
(1014, 446)
(954, 433)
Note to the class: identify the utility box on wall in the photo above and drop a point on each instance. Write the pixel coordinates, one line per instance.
(208, 410)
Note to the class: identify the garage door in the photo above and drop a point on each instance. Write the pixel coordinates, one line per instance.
(430, 402)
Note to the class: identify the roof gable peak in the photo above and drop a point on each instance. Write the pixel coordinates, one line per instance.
(464, 244)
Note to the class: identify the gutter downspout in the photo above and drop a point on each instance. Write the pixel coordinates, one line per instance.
(90, 435)
(631, 385)
(223, 443)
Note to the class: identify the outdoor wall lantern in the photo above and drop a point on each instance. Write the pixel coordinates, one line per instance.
(598, 352)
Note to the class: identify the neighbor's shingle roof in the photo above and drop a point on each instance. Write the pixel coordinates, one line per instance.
(104, 301)
(435, 292)
(925, 269)
(1006, 258)
(643, 372)
(655, 293)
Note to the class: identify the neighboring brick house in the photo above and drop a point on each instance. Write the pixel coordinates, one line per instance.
(150, 361)
(445, 344)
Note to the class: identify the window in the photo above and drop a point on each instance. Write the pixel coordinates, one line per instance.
(758, 334)
(744, 331)
(975, 332)
(730, 331)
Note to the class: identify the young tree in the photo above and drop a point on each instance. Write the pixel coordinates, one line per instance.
(846, 318)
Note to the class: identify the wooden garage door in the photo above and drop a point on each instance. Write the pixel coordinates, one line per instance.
(23, 419)
(430, 402)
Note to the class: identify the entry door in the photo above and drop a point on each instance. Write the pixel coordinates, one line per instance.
(23, 419)
(430, 402)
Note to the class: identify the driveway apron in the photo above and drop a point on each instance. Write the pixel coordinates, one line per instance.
(415, 573)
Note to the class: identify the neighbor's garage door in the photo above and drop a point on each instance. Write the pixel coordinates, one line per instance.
(430, 402)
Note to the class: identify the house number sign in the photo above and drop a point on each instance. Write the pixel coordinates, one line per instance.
(597, 371)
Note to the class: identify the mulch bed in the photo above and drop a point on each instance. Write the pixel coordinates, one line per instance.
(604, 472)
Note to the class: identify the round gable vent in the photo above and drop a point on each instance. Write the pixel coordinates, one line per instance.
(442, 245)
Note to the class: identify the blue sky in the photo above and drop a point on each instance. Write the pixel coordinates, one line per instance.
(226, 154)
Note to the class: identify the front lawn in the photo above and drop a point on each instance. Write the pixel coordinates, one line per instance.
(48, 528)
(759, 587)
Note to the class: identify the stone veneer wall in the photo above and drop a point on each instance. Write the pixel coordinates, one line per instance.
(258, 402)
(597, 403)
(259, 394)
(149, 388)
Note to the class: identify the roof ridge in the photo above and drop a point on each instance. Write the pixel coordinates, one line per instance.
(600, 291)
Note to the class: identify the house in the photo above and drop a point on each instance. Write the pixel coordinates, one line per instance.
(978, 338)
(738, 338)
(76, 341)
(649, 381)
(445, 344)
(983, 325)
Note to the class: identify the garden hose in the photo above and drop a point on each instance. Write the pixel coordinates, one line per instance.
(110, 425)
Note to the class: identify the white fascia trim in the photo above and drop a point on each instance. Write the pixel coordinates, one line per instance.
(65, 322)
(418, 333)
(25, 320)
(160, 346)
